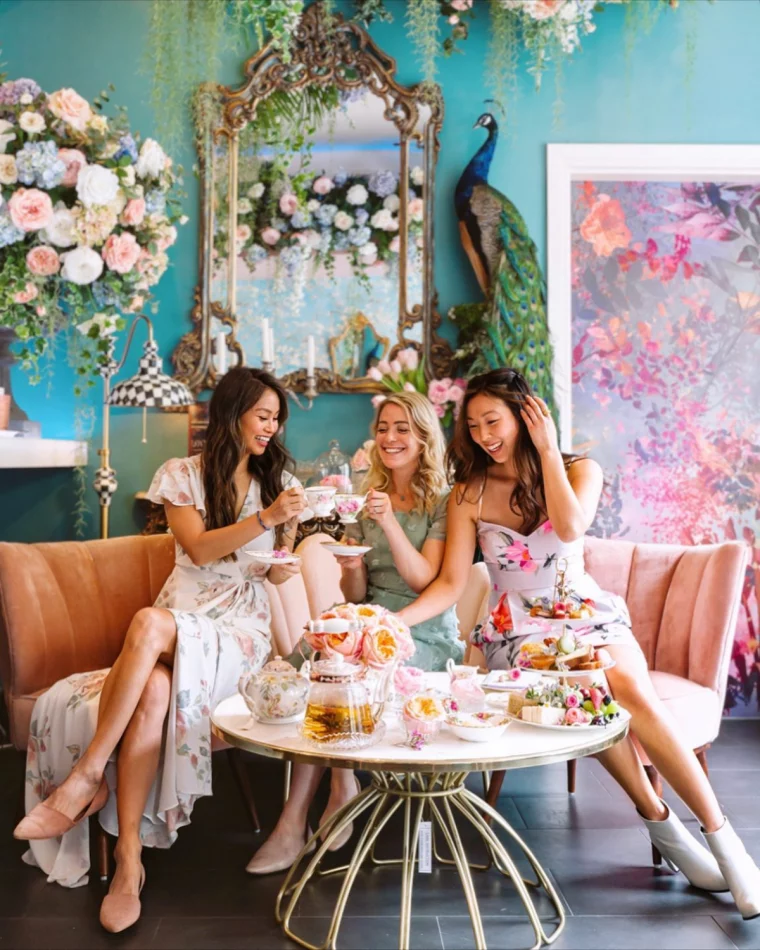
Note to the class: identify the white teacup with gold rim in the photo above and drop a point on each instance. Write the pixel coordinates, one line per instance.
(348, 505)
(321, 499)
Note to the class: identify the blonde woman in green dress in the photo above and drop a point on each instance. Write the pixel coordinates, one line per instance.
(405, 522)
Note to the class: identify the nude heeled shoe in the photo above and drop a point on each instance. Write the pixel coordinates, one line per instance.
(43, 821)
(119, 911)
(260, 864)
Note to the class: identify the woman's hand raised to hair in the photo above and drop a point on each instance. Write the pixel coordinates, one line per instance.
(540, 423)
(288, 504)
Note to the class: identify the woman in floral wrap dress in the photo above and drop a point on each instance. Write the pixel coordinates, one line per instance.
(141, 729)
(530, 506)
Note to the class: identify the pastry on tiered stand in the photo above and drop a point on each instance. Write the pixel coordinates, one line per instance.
(558, 654)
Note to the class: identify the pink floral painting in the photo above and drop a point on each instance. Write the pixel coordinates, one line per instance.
(666, 388)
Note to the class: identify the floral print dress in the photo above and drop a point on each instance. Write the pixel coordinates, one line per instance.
(523, 572)
(223, 617)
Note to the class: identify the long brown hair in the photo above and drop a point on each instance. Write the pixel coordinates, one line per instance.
(237, 392)
(471, 463)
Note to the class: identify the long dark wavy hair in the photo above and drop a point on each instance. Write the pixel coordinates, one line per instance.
(471, 463)
(237, 392)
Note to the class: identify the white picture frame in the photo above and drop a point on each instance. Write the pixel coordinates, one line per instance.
(567, 163)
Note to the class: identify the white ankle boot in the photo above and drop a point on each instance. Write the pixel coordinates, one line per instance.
(683, 853)
(740, 871)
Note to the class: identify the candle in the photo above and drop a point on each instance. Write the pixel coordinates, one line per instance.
(270, 345)
(266, 353)
(310, 356)
(221, 354)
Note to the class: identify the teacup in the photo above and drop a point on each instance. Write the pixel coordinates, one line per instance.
(321, 500)
(348, 506)
(459, 672)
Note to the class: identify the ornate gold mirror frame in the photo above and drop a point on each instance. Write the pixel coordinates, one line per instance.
(339, 54)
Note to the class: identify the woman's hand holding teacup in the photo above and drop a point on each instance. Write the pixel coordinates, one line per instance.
(378, 507)
(287, 505)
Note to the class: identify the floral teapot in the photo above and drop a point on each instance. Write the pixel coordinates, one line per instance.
(278, 693)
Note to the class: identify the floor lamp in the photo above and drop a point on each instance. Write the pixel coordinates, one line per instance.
(149, 388)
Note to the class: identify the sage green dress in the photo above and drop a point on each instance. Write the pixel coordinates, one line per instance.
(436, 639)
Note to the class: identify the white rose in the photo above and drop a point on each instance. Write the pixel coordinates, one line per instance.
(152, 160)
(255, 191)
(105, 323)
(244, 206)
(343, 221)
(96, 185)
(32, 122)
(368, 253)
(119, 203)
(312, 205)
(357, 195)
(128, 176)
(61, 231)
(98, 123)
(8, 171)
(26, 99)
(81, 266)
(382, 219)
(392, 203)
(417, 175)
(5, 135)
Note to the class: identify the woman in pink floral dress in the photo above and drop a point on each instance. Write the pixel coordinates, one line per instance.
(529, 507)
(141, 730)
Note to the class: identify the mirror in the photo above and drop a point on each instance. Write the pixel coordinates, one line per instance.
(317, 198)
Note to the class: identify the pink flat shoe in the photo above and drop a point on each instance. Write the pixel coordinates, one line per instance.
(46, 822)
(119, 911)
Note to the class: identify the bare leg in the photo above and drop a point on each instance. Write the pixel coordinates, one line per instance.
(343, 787)
(151, 637)
(632, 687)
(289, 834)
(137, 764)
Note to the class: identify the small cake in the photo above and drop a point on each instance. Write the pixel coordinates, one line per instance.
(546, 715)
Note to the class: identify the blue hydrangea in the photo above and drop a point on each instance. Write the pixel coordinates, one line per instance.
(382, 183)
(291, 258)
(341, 242)
(254, 254)
(12, 91)
(38, 164)
(127, 146)
(300, 219)
(359, 236)
(325, 241)
(340, 178)
(155, 202)
(354, 94)
(281, 225)
(104, 295)
(9, 233)
(361, 216)
(325, 215)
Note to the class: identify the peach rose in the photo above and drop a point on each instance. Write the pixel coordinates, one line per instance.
(544, 9)
(68, 105)
(270, 236)
(74, 160)
(31, 209)
(135, 304)
(348, 645)
(134, 212)
(288, 204)
(416, 209)
(43, 261)
(120, 252)
(380, 647)
(24, 296)
(323, 185)
(604, 226)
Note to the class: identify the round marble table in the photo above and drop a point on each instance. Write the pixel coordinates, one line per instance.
(428, 784)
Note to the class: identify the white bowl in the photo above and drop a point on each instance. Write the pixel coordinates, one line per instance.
(480, 732)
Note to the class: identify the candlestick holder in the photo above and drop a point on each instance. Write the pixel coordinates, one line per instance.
(310, 389)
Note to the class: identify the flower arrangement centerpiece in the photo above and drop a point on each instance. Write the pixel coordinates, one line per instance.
(87, 214)
(406, 373)
(376, 638)
(565, 705)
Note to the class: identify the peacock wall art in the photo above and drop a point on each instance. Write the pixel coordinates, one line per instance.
(510, 327)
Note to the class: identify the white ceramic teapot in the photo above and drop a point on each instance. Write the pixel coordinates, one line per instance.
(278, 693)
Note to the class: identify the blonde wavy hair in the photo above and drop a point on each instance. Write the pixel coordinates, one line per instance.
(430, 482)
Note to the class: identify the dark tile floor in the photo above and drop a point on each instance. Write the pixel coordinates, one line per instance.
(198, 896)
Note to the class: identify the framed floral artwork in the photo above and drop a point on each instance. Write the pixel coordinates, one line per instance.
(654, 310)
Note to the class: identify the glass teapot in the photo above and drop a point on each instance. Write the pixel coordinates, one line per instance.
(277, 694)
(333, 468)
(341, 712)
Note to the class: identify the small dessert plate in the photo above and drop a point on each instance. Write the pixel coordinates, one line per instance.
(623, 717)
(346, 550)
(507, 680)
(273, 557)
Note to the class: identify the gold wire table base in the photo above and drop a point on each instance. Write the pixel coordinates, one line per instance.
(439, 797)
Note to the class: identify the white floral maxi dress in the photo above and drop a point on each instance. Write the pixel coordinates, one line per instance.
(523, 572)
(223, 619)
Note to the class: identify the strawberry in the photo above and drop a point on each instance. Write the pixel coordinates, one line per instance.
(596, 696)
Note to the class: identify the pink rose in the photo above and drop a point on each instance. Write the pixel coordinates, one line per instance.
(243, 233)
(43, 261)
(270, 236)
(323, 185)
(24, 296)
(576, 717)
(439, 411)
(438, 391)
(74, 160)
(288, 203)
(455, 394)
(134, 212)
(416, 209)
(408, 680)
(461, 5)
(571, 701)
(30, 209)
(71, 107)
(544, 9)
(121, 252)
(344, 644)
(395, 245)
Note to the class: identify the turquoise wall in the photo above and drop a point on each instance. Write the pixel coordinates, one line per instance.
(88, 44)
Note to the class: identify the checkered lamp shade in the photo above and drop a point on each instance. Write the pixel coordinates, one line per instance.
(151, 387)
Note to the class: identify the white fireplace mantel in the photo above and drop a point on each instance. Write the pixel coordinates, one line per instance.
(41, 453)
